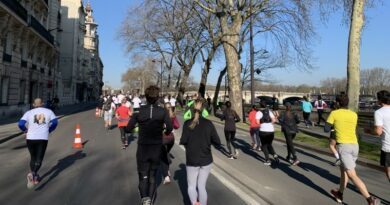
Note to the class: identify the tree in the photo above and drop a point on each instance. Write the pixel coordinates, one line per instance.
(287, 21)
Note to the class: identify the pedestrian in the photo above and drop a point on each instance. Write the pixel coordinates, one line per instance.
(307, 107)
(332, 139)
(100, 106)
(230, 117)
(275, 101)
(151, 120)
(172, 101)
(123, 114)
(40, 122)
(320, 105)
(344, 122)
(382, 128)
(267, 132)
(254, 129)
(108, 108)
(136, 103)
(197, 137)
(275, 111)
(168, 142)
(289, 120)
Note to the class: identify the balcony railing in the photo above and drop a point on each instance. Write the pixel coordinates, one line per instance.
(7, 57)
(16, 7)
(37, 26)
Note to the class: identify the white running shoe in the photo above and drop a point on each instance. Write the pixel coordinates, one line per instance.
(167, 180)
(30, 181)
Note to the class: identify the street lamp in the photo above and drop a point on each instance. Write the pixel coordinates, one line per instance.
(161, 73)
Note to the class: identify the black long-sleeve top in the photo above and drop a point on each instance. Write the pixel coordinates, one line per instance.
(231, 118)
(151, 120)
(198, 142)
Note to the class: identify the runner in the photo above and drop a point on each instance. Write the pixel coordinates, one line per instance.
(136, 103)
(197, 137)
(189, 108)
(344, 122)
(382, 128)
(150, 119)
(40, 122)
(168, 142)
(108, 109)
(332, 140)
(254, 129)
(320, 105)
(100, 106)
(267, 133)
(123, 114)
(231, 118)
(306, 109)
(289, 121)
(172, 100)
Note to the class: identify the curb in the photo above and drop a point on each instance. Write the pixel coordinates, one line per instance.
(362, 162)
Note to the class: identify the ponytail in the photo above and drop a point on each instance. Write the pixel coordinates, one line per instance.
(197, 109)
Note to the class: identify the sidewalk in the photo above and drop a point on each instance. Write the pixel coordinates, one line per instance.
(9, 128)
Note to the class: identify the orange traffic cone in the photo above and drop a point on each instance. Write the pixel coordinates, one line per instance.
(97, 112)
(77, 138)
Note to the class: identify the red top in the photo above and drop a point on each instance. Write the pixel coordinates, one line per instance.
(124, 117)
(252, 119)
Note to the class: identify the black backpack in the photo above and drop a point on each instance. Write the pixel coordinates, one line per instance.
(107, 106)
(266, 116)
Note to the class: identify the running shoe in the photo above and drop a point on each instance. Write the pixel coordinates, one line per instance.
(291, 161)
(30, 181)
(337, 162)
(267, 163)
(146, 201)
(123, 146)
(373, 201)
(167, 180)
(236, 153)
(230, 157)
(276, 158)
(295, 162)
(338, 196)
(258, 149)
(36, 179)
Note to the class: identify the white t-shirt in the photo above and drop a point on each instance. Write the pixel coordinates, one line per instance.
(120, 98)
(382, 118)
(128, 104)
(166, 100)
(173, 102)
(38, 123)
(136, 102)
(320, 106)
(115, 100)
(266, 127)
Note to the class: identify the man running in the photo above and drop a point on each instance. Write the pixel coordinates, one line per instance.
(150, 119)
(40, 122)
(344, 122)
(319, 104)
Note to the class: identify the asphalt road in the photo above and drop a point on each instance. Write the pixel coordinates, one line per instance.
(101, 173)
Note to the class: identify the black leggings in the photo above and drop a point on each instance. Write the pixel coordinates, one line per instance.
(123, 134)
(290, 146)
(230, 137)
(37, 149)
(320, 117)
(165, 158)
(306, 118)
(266, 143)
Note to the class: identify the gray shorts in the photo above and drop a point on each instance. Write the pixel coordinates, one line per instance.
(348, 155)
(107, 116)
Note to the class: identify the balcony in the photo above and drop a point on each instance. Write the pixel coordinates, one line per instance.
(37, 26)
(17, 8)
(7, 57)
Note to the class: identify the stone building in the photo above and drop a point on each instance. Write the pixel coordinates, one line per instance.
(29, 32)
(80, 64)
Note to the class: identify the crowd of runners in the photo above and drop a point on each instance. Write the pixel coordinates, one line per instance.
(153, 119)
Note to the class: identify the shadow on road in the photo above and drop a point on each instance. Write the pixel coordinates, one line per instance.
(20, 147)
(61, 165)
(246, 148)
(181, 177)
(313, 156)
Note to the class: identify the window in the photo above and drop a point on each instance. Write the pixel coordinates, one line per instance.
(22, 91)
(4, 85)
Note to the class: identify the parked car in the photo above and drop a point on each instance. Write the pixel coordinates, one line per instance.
(293, 100)
(266, 99)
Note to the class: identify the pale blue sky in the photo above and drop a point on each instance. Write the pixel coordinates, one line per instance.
(329, 47)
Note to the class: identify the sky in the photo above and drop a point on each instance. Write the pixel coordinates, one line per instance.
(329, 47)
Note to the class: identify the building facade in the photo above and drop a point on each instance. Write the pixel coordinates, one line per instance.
(29, 32)
(80, 63)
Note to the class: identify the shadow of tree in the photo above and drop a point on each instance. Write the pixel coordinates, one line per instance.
(61, 165)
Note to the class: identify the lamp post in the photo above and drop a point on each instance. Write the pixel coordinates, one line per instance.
(252, 55)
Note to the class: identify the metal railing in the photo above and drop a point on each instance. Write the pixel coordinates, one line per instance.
(38, 27)
(16, 7)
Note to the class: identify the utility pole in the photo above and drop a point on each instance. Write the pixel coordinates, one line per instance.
(252, 54)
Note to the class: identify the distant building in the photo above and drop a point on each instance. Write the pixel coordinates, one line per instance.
(29, 32)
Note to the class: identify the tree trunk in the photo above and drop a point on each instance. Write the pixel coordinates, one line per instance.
(205, 73)
(353, 67)
(182, 86)
(217, 88)
(234, 73)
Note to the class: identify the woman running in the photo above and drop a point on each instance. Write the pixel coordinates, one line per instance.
(168, 142)
(231, 117)
(123, 114)
(289, 121)
(254, 129)
(197, 137)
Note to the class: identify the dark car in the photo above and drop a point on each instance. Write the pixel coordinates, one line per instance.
(293, 100)
(266, 99)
